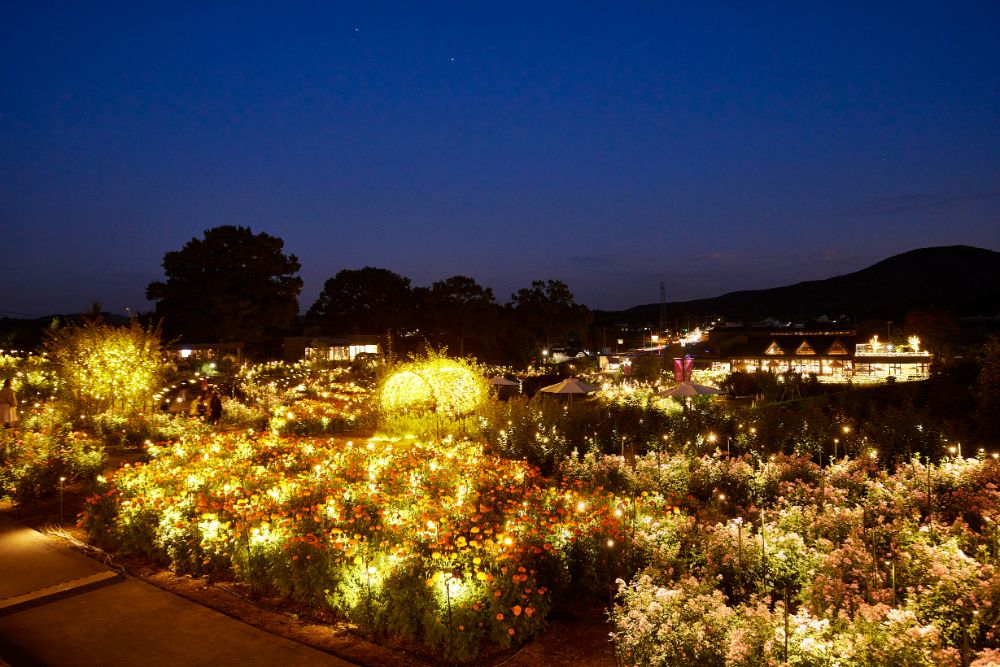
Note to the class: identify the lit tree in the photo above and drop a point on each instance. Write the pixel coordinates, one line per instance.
(104, 368)
(231, 286)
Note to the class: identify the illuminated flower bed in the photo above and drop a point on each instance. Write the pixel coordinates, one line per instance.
(433, 541)
(780, 562)
(337, 409)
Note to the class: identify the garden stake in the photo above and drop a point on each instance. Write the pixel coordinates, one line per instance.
(763, 555)
(786, 622)
(368, 597)
(965, 644)
(61, 480)
(447, 596)
(892, 566)
(739, 548)
(928, 487)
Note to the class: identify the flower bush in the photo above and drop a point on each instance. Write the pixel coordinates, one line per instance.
(34, 464)
(843, 566)
(678, 625)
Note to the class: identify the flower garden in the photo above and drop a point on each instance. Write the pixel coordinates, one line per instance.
(463, 536)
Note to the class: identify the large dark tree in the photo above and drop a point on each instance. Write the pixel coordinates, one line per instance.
(363, 301)
(233, 285)
(544, 315)
(459, 310)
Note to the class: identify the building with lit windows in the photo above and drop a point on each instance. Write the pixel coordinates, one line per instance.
(832, 355)
(330, 349)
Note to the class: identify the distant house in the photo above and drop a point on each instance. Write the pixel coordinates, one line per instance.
(835, 354)
(328, 348)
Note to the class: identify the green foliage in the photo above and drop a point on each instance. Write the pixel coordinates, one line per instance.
(546, 429)
(137, 429)
(33, 377)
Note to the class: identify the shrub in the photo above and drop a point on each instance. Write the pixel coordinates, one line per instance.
(34, 465)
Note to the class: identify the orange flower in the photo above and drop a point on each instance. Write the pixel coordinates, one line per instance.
(499, 617)
(517, 610)
(510, 631)
(529, 610)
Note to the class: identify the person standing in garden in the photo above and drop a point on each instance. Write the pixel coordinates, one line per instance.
(8, 405)
(214, 413)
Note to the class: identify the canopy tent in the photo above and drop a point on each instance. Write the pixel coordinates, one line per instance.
(501, 381)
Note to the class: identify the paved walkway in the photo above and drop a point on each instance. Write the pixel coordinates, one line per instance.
(59, 608)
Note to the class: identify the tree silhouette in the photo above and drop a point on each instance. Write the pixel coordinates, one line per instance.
(543, 315)
(232, 285)
(457, 310)
(362, 301)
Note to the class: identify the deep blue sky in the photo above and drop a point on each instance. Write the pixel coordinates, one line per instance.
(609, 145)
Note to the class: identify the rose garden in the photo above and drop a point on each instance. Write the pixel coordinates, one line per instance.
(404, 498)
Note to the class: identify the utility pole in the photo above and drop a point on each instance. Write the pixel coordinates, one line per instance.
(663, 306)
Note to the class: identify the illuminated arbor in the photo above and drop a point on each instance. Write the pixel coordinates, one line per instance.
(437, 388)
(103, 368)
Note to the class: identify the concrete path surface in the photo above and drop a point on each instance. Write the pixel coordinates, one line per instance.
(61, 609)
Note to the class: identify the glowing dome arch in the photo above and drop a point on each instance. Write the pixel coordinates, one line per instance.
(449, 388)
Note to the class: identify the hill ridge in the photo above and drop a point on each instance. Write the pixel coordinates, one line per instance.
(960, 278)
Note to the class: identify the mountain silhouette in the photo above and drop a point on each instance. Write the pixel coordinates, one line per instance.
(961, 279)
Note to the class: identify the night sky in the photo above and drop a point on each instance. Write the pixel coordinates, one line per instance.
(609, 145)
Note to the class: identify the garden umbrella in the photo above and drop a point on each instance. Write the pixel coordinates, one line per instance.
(570, 387)
(688, 389)
(504, 388)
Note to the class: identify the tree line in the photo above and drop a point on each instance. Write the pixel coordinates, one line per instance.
(234, 285)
